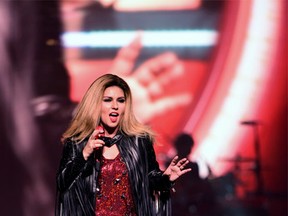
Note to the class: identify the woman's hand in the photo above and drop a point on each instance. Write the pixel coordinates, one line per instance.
(150, 80)
(177, 168)
(93, 143)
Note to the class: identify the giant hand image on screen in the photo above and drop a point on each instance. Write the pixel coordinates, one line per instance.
(163, 50)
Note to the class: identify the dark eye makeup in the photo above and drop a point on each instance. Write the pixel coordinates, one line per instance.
(121, 100)
(109, 99)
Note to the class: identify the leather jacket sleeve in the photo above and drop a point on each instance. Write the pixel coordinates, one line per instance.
(72, 165)
(157, 181)
(76, 183)
(159, 184)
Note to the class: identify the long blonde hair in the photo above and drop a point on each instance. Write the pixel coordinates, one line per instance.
(88, 111)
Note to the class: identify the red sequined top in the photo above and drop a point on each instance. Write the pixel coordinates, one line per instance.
(114, 197)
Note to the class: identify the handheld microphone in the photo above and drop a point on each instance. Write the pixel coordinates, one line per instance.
(100, 135)
(101, 132)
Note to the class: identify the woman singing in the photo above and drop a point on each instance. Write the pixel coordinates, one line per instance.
(108, 165)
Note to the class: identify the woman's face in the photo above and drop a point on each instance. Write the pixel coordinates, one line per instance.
(113, 107)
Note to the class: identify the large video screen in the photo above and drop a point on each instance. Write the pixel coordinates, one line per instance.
(162, 48)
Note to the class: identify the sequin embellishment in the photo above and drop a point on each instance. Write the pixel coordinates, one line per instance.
(113, 196)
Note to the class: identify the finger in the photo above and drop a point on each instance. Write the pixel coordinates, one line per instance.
(182, 167)
(150, 69)
(98, 132)
(97, 144)
(171, 73)
(100, 129)
(185, 171)
(161, 105)
(124, 61)
(185, 163)
(181, 163)
(157, 86)
(174, 161)
(168, 103)
(93, 136)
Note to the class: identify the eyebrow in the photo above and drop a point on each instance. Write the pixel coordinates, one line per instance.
(112, 97)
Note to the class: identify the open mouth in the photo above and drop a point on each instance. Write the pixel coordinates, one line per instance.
(113, 116)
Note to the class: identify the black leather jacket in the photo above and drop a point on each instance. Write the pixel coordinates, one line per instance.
(77, 179)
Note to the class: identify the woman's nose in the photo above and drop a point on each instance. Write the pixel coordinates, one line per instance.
(114, 105)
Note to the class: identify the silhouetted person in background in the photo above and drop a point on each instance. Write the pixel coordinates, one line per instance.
(183, 145)
(193, 195)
